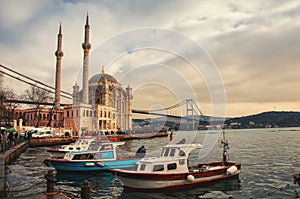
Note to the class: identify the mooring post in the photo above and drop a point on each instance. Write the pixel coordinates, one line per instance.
(50, 182)
(85, 190)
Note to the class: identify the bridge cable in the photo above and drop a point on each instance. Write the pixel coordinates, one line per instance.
(33, 84)
(32, 79)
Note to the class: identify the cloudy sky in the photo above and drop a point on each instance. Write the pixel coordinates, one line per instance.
(167, 50)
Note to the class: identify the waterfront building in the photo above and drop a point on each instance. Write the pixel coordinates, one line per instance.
(100, 104)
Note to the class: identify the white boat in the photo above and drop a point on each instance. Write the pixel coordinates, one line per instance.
(79, 145)
(100, 156)
(172, 170)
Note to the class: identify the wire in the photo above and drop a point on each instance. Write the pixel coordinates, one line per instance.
(30, 79)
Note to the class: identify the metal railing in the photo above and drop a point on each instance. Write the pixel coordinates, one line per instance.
(7, 144)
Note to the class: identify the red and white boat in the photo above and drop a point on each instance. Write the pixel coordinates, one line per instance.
(172, 170)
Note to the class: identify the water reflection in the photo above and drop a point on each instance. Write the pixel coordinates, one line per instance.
(101, 184)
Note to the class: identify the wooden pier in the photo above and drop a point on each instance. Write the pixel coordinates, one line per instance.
(51, 141)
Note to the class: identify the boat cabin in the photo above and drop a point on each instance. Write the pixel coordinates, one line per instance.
(80, 144)
(96, 151)
(173, 158)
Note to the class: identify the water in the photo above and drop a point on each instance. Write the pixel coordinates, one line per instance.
(269, 158)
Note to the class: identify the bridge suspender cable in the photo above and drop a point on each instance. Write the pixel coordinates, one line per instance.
(33, 84)
(29, 79)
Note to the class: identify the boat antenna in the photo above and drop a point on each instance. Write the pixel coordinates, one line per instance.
(225, 144)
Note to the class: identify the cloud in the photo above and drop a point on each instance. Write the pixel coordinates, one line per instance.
(254, 44)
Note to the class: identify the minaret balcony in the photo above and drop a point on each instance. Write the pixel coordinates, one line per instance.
(59, 54)
(86, 46)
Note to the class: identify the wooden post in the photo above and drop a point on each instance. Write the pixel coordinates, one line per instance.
(85, 190)
(50, 182)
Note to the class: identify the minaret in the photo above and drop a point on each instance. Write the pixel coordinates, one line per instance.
(86, 49)
(59, 54)
(75, 93)
(105, 92)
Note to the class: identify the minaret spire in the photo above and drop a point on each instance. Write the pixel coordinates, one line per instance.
(86, 49)
(87, 18)
(59, 54)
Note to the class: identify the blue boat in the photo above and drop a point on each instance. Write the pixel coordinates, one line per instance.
(99, 157)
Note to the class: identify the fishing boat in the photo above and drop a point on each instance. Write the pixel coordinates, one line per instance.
(100, 156)
(172, 170)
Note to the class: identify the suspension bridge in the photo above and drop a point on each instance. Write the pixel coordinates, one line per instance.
(189, 109)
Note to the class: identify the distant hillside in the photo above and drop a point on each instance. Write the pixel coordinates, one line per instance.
(261, 120)
(266, 119)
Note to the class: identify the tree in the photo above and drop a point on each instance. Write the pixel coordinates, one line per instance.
(7, 108)
(37, 96)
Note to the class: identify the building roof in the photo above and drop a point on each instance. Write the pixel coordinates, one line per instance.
(98, 77)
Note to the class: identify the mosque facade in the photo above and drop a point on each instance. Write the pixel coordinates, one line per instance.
(101, 103)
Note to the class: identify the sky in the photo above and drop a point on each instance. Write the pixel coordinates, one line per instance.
(167, 51)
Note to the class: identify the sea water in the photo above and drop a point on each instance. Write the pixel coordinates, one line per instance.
(269, 157)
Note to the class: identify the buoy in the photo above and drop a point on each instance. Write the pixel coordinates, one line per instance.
(89, 164)
(231, 170)
(190, 178)
(100, 164)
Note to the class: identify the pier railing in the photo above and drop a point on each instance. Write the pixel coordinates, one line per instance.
(5, 145)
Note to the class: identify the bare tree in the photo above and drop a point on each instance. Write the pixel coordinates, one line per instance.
(38, 96)
(7, 107)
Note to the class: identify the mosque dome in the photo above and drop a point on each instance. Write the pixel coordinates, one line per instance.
(98, 77)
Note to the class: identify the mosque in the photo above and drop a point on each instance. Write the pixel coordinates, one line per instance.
(101, 104)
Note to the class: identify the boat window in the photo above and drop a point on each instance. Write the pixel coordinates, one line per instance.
(158, 167)
(93, 147)
(78, 148)
(76, 157)
(70, 148)
(84, 156)
(143, 166)
(166, 152)
(181, 153)
(172, 153)
(106, 147)
(91, 156)
(162, 152)
(172, 166)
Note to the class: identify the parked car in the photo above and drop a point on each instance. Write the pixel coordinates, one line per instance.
(42, 134)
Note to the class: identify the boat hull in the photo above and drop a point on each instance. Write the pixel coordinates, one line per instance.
(93, 165)
(148, 181)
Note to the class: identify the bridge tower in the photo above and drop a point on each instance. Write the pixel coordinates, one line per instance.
(190, 113)
(86, 49)
(59, 54)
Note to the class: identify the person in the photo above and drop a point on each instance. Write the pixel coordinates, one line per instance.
(141, 152)
(171, 136)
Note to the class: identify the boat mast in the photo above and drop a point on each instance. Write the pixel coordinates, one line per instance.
(225, 144)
